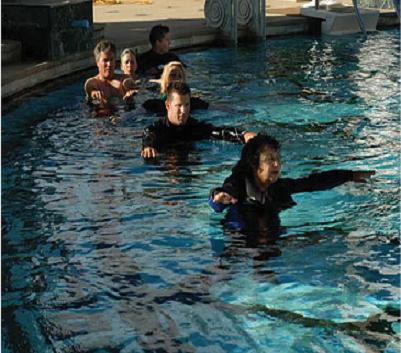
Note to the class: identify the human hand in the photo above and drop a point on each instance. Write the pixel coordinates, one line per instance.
(249, 135)
(224, 198)
(362, 176)
(114, 119)
(98, 97)
(130, 94)
(149, 152)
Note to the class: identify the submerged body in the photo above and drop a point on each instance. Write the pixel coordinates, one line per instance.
(108, 89)
(255, 180)
(178, 126)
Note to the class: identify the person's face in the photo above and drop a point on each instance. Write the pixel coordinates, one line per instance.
(178, 107)
(176, 75)
(128, 64)
(269, 166)
(163, 45)
(106, 64)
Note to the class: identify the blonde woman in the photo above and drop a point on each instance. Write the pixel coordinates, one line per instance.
(128, 62)
(173, 72)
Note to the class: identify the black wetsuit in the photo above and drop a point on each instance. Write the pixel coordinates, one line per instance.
(150, 62)
(163, 133)
(158, 106)
(278, 195)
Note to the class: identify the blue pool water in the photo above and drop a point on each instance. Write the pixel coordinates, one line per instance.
(102, 252)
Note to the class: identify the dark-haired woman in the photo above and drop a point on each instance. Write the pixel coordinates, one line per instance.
(255, 180)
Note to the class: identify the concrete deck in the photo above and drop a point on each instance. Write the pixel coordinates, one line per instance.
(128, 25)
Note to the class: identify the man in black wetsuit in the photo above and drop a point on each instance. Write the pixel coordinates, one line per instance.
(178, 126)
(255, 180)
(152, 61)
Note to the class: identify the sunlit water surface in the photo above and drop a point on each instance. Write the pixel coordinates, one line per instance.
(102, 252)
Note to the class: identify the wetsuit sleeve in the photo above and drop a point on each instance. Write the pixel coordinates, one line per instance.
(198, 103)
(155, 106)
(216, 206)
(204, 130)
(152, 135)
(319, 181)
(233, 185)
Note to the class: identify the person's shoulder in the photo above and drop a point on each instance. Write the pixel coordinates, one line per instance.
(160, 123)
(193, 121)
(282, 185)
(145, 54)
(91, 81)
(198, 103)
(172, 56)
(281, 182)
(92, 84)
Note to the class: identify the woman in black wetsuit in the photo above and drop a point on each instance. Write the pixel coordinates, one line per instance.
(255, 179)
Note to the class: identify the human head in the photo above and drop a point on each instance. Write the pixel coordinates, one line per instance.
(160, 39)
(178, 103)
(105, 53)
(128, 62)
(173, 71)
(260, 158)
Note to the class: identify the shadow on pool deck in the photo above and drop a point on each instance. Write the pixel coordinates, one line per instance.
(129, 28)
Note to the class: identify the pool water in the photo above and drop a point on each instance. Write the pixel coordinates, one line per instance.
(103, 252)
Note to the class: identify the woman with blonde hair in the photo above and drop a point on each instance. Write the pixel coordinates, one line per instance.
(172, 72)
(128, 62)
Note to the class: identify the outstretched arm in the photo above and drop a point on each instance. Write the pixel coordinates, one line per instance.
(361, 176)
(93, 94)
(203, 130)
(327, 180)
(129, 89)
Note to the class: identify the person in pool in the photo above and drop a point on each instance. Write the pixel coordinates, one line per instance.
(178, 126)
(107, 87)
(174, 71)
(255, 180)
(128, 63)
(152, 62)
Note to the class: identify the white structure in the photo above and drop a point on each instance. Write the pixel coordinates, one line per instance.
(228, 15)
(342, 19)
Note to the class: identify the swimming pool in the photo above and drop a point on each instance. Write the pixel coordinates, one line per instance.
(102, 252)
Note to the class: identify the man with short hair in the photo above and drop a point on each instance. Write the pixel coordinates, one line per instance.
(179, 126)
(152, 61)
(102, 88)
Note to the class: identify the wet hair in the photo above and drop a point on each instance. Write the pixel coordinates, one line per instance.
(164, 79)
(104, 46)
(180, 88)
(157, 33)
(249, 162)
(125, 52)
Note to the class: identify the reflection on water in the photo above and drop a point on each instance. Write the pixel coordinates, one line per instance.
(103, 252)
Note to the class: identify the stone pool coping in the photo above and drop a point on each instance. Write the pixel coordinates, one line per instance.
(187, 32)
